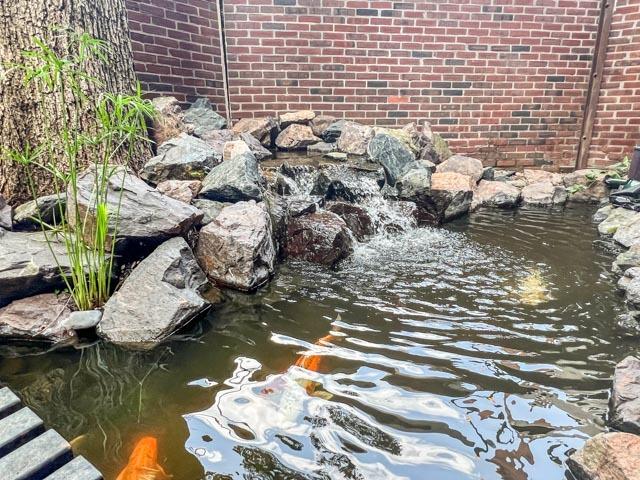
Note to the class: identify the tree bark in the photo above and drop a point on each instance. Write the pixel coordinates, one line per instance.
(26, 118)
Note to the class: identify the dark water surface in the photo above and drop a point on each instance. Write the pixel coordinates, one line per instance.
(446, 360)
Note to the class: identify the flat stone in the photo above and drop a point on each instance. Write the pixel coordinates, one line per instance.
(617, 217)
(237, 249)
(168, 122)
(181, 158)
(356, 217)
(160, 295)
(463, 165)
(544, 194)
(36, 456)
(6, 215)
(302, 117)
(394, 156)
(537, 176)
(201, 117)
(146, 215)
(235, 180)
(625, 396)
(296, 137)
(354, 138)
(50, 209)
(502, 175)
(39, 318)
(82, 320)
(321, 147)
(183, 190)
(339, 156)
(321, 237)
(628, 233)
(607, 456)
(210, 208)
(263, 129)
(18, 428)
(495, 194)
(28, 267)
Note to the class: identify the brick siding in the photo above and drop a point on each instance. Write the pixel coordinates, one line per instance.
(503, 80)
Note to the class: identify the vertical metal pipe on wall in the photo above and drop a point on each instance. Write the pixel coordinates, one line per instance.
(223, 60)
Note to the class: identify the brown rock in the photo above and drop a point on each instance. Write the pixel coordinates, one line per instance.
(302, 117)
(355, 138)
(357, 218)
(535, 176)
(586, 186)
(495, 194)
(544, 194)
(183, 190)
(320, 124)
(321, 237)
(169, 121)
(463, 165)
(296, 137)
(236, 147)
(261, 128)
(625, 396)
(607, 456)
(451, 195)
(37, 318)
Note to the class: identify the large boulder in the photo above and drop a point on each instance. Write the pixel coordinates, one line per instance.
(201, 118)
(450, 197)
(320, 123)
(628, 234)
(234, 180)
(183, 190)
(296, 137)
(263, 129)
(159, 296)
(625, 396)
(237, 249)
(415, 185)
(346, 182)
(586, 186)
(616, 218)
(28, 266)
(182, 158)
(607, 456)
(356, 217)
(321, 237)
(495, 194)
(332, 132)
(463, 165)
(394, 156)
(168, 122)
(302, 117)
(39, 318)
(354, 138)
(145, 214)
(6, 215)
(50, 209)
(544, 194)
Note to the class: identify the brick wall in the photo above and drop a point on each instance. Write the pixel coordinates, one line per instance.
(617, 124)
(177, 48)
(504, 80)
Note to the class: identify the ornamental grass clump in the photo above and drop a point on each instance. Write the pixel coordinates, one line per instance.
(117, 128)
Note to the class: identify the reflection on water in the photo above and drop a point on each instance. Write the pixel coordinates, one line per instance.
(482, 350)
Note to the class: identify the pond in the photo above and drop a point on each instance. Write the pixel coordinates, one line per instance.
(483, 349)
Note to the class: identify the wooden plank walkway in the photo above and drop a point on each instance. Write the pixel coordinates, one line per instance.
(30, 452)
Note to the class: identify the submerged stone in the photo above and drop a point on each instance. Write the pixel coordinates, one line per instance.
(356, 217)
(160, 295)
(237, 249)
(625, 396)
(544, 194)
(38, 318)
(607, 456)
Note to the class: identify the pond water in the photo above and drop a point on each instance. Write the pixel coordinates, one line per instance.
(483, 349)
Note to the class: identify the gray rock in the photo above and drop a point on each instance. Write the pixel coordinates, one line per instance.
(607, 456)
(488, 173)
(321, 237)
(210, 208)
(320, 124)
(625, 396)
(357, 218)
(168, 122)
(50, 209)
(628, 233)
(181, 158)
(296, 137)
(544, 194)
(146, 215)
(333, 131)
(463, 165)
(394, 156)
(6, 221)
(237, 249)
(354, 138)
(602, 213)
(259, 151)
(235, 180)
(321, 147)
(279, 214)
(303, 117)
(415, 186)
(299, 205)
(344, 182)
(283, 185)
(39, 318)
(495, 194)
(501, 175)
(160, 295)
(27, 265)
(82, 320)
(627, 259)
(632, 289)
(615, 219)
(339, 156)
(201, 117)
(263, 129)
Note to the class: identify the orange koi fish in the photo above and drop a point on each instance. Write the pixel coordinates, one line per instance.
(143, 462)
(313, 364)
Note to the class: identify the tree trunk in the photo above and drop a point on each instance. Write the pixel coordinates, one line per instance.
(24, 116)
